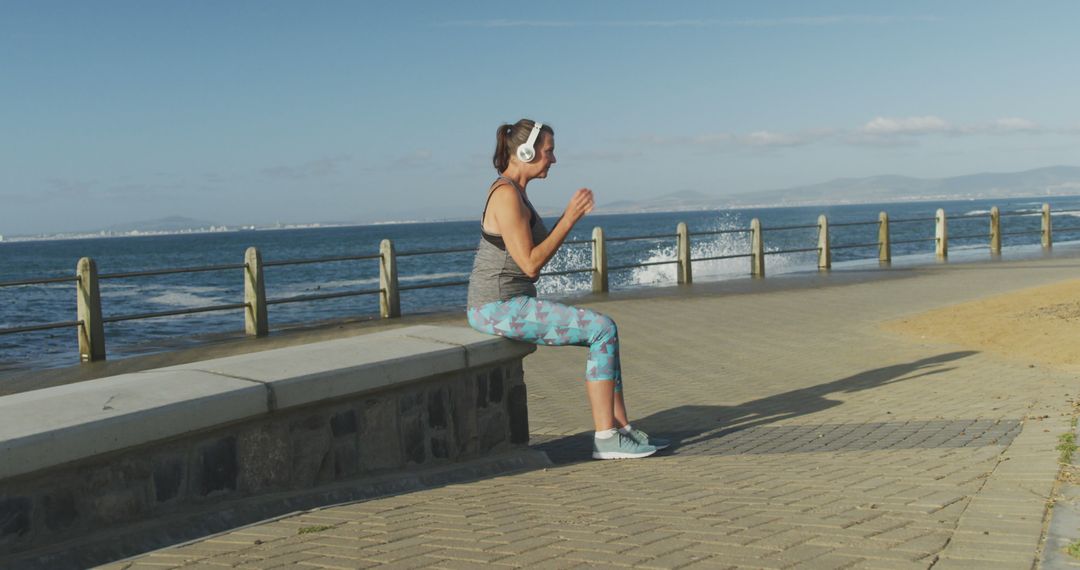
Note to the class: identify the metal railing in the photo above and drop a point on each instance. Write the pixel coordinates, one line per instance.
(89, 321)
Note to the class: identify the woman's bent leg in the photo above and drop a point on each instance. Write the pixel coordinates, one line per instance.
(555, 324)
(619, 409)
(601, 401)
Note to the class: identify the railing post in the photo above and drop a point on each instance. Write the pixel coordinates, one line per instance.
(685, 274)
(995, 231)
(884, 245)
(941, 235)
(824, 260)
(92, 331)
(255, 321)
(599, 261)
(1047, 228)
(757, 250)
(389, 299)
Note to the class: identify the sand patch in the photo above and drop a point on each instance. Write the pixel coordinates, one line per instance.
(1040, 325)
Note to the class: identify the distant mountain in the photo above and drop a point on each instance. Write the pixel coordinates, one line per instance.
(1048, 181)
(169, 224)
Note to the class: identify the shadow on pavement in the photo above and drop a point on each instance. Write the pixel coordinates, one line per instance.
(703, 429)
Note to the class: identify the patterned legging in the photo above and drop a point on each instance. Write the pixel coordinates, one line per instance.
(547, 322)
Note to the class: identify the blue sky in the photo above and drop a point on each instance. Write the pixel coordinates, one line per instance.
(263, 111)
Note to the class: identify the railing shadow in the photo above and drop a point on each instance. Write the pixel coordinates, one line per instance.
(694, 424)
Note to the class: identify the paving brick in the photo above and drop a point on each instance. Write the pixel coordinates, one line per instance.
(332, 563)
(872, 564)
(677, 559)
(601, 558)
(529, 559)
(474, 556)
(1013, 556)
(334, 551)
(524, 545)
(801, 553)
(927, 544)
(286, 560)
(784, 540)
(558, 563)
(427, 562)
(740, 561)
(395, 556)
(828, 562)
(977, 564)
(339, 541)
(409, 563)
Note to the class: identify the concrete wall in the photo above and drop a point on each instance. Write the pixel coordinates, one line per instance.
(196, 441)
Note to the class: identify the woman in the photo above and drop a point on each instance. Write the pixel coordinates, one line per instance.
(515, 246)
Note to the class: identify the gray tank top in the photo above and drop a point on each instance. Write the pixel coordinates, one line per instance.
(495, 275)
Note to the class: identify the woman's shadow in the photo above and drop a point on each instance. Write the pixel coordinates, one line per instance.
(697, 423)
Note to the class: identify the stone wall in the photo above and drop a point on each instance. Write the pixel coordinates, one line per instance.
(440, 420)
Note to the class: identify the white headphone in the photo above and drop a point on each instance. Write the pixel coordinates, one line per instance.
(526, 152)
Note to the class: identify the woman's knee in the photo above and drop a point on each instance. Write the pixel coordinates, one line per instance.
(605, 328)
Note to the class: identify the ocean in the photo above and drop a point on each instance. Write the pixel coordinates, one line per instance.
(33, 304)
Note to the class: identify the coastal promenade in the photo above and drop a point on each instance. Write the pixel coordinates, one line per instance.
(815, 427)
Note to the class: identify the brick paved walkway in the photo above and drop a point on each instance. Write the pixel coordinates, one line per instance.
(807, 437)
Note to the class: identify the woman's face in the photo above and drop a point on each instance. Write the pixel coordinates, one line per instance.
(545, 155)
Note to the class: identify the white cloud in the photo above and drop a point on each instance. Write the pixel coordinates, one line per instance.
(906, 126)
(1013, 124)
(888, 131)
(712, 138)
(768, 138)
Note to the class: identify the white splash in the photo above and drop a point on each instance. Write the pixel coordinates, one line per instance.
(569, 257)
(183, 299)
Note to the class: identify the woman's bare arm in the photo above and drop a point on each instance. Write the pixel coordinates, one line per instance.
(511, 215)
